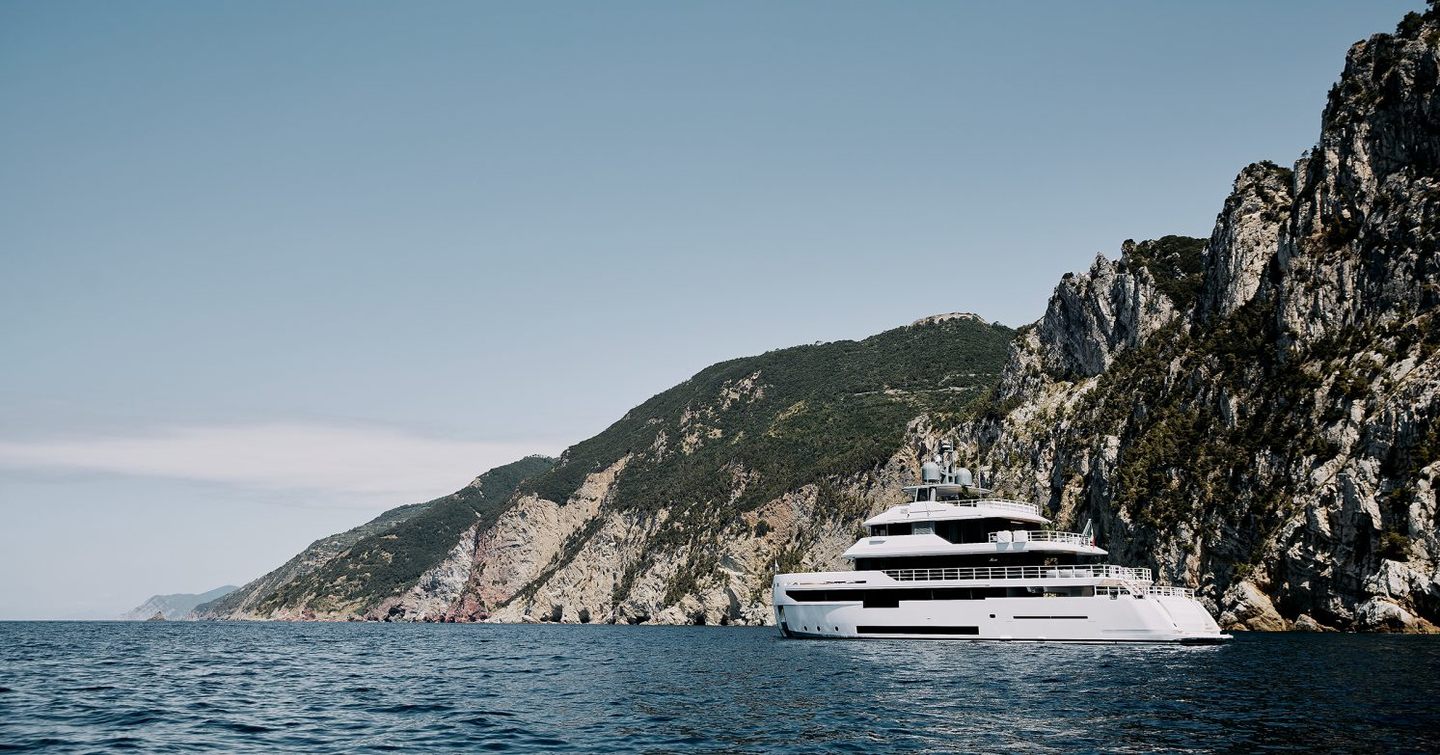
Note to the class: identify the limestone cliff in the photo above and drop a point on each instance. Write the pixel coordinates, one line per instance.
(1274, 442)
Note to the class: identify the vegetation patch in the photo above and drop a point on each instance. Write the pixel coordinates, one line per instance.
(805, 413)
(387, 563)
(1177, 263)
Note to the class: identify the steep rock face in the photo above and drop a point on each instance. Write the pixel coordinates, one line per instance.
(1275, 444)
(528, 544)
(1361, 248)
(1092, 318)
(437, 589)
(1245, 241)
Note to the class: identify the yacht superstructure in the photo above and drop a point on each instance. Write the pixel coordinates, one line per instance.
(959, 563)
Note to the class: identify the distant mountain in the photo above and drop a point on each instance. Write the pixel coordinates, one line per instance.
(173, 607)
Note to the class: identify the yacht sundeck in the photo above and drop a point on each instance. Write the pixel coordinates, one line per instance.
(958, 563)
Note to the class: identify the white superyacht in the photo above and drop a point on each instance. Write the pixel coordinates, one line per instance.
(957, 563)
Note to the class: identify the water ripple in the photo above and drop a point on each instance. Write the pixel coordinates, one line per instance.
(73, 687)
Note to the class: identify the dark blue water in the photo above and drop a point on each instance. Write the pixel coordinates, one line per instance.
(358, 687)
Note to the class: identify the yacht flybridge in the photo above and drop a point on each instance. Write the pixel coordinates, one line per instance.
(958, 563)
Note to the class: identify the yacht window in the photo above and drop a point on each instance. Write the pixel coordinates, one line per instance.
(924, 528)
(963, 531)
(924, 629)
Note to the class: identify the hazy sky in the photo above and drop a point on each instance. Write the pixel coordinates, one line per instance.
(267, 269)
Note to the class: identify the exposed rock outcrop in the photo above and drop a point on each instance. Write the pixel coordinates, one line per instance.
(1245, 240)
(1093, 318)
(1275, 445)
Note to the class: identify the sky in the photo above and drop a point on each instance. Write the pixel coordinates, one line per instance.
(270, 268)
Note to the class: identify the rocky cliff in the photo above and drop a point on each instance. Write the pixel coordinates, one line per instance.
(1270, 438)
(1253, 415)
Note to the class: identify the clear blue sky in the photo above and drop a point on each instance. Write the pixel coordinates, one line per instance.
(268, 268)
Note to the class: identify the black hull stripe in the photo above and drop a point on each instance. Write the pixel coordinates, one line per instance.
(792, 634)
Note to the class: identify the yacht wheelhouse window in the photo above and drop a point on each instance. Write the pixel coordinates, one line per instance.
(963, 531)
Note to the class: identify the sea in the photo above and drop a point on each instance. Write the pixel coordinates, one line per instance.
(307, 687)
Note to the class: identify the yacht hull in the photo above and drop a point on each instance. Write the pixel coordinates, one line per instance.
(1099, 618)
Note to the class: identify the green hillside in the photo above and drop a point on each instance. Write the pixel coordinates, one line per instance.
(314, 555)
(385, 563)
(787, 417)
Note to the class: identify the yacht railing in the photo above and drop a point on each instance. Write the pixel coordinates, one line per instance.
(1164, 591)
(1169, 591)
(1086, 571)
(1039, 536)
(998, 503)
